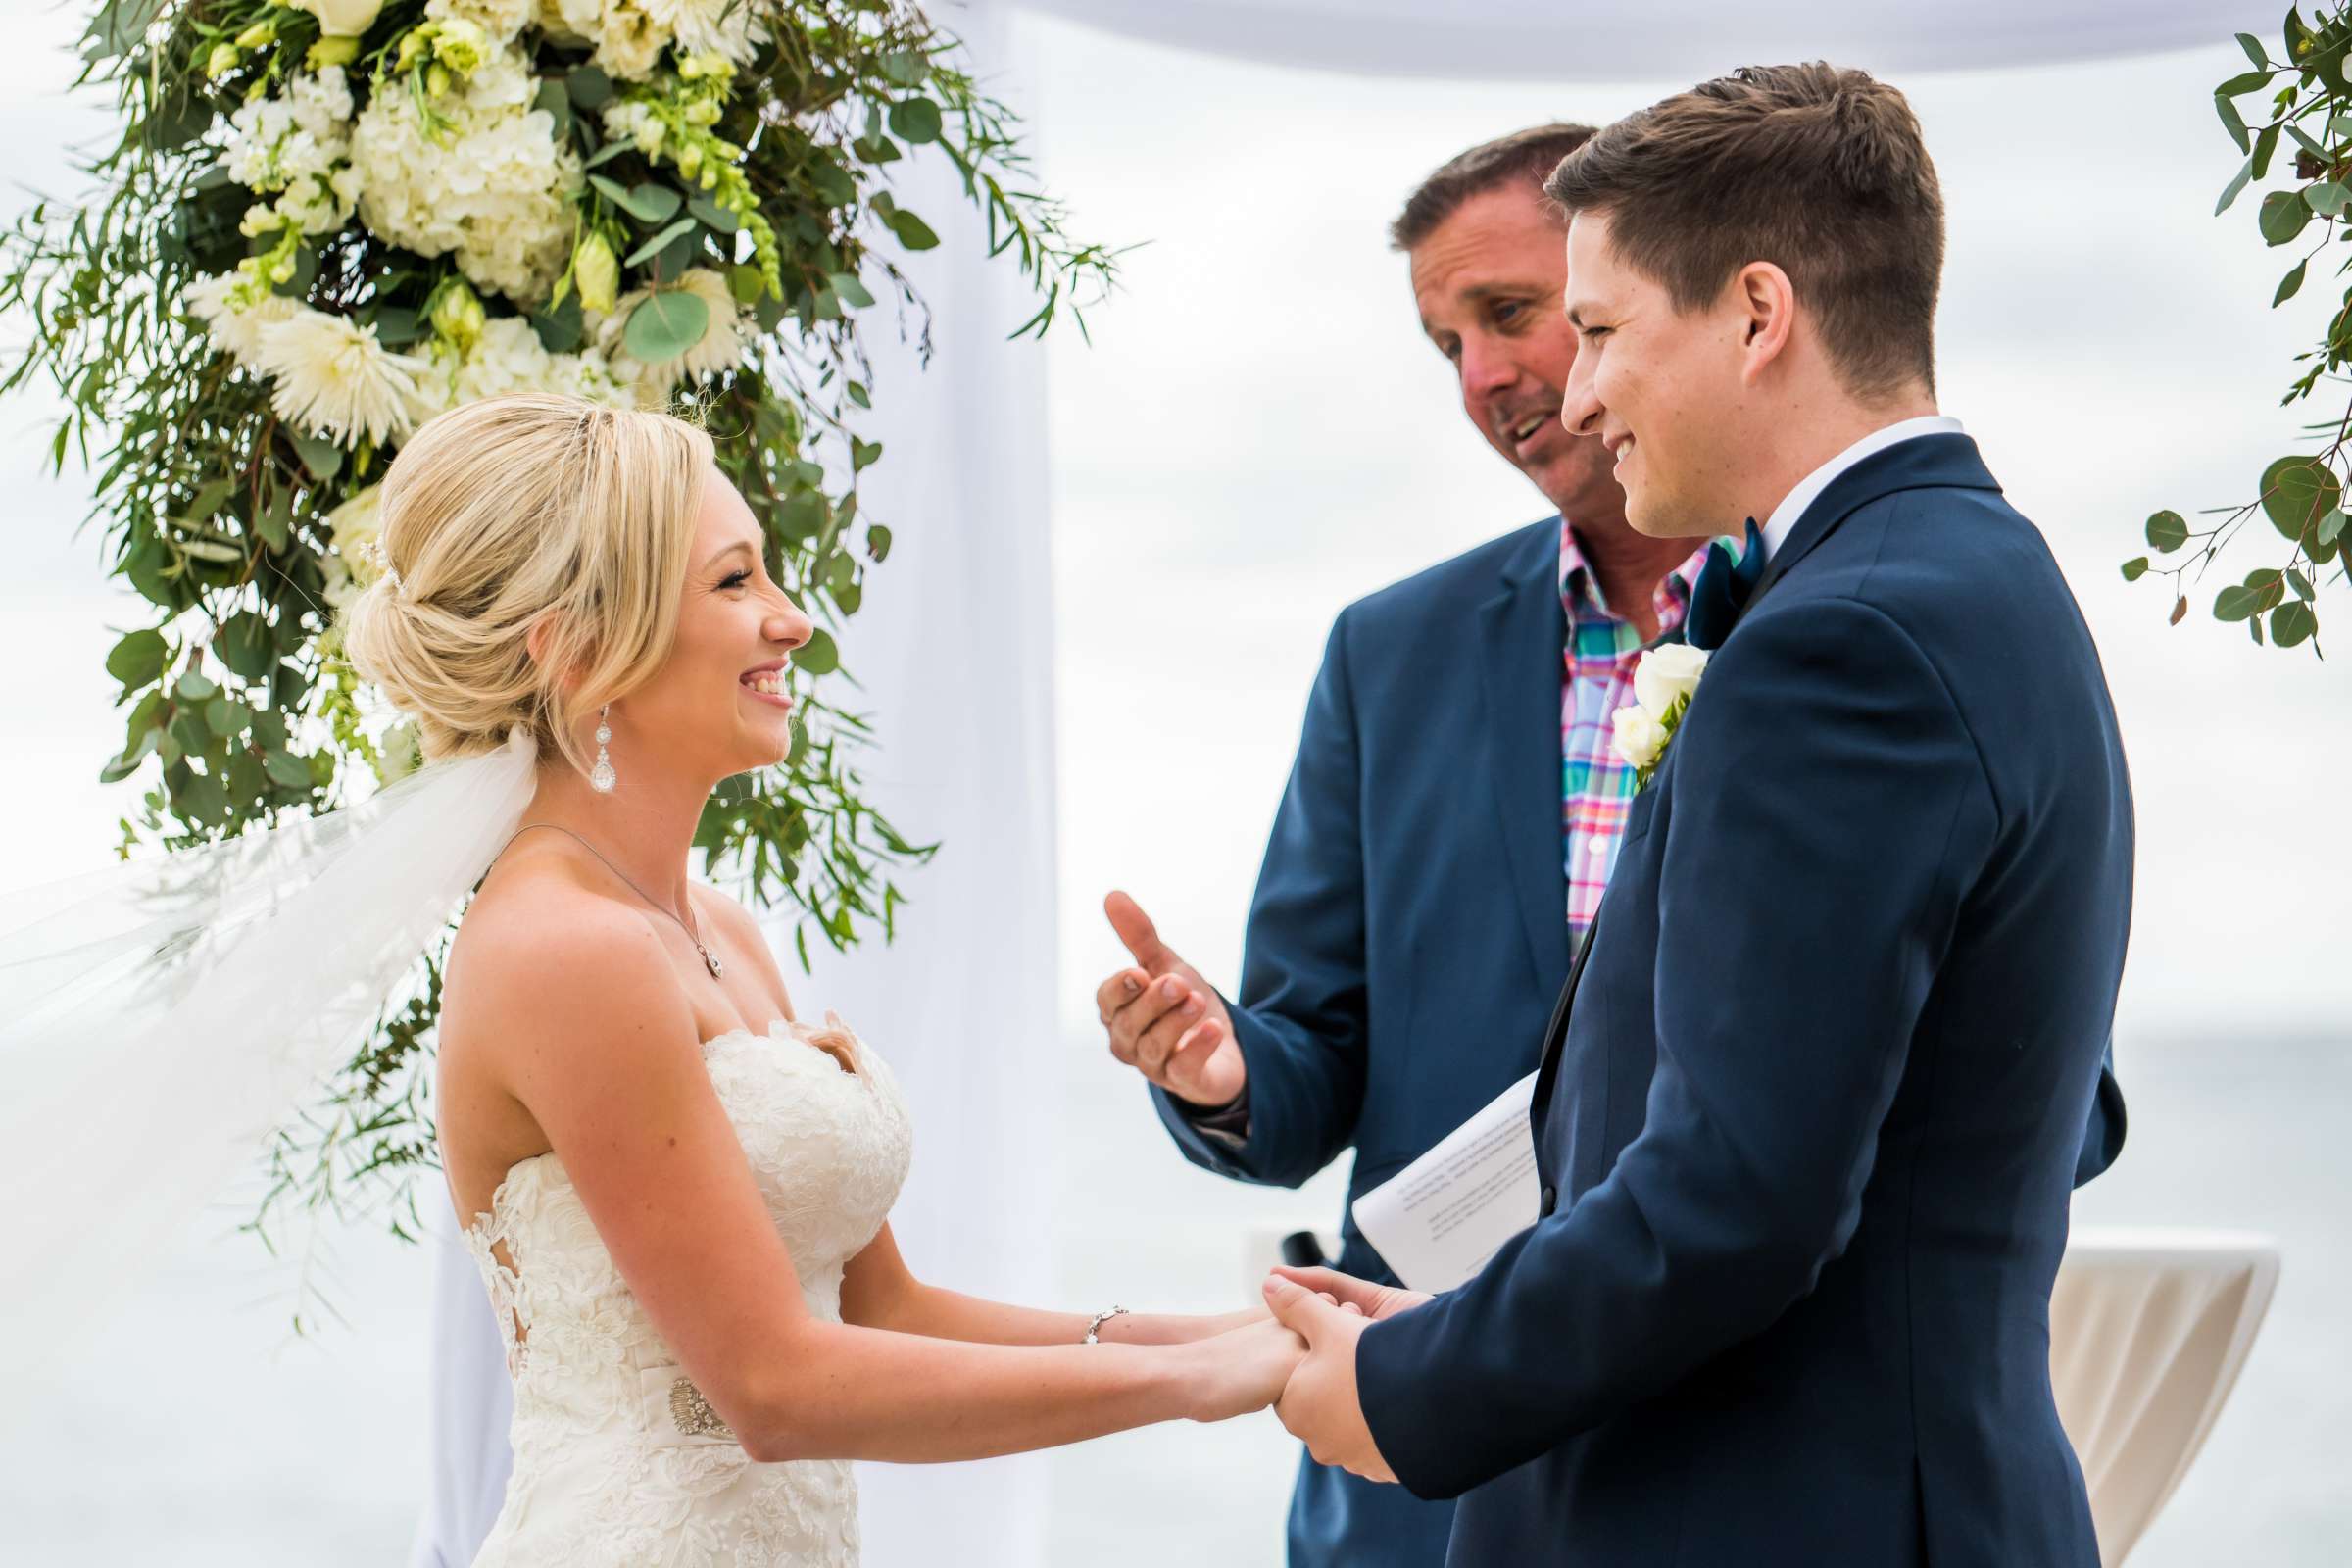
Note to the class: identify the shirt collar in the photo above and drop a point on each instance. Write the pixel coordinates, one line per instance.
(1580, 589)
(1808, 489)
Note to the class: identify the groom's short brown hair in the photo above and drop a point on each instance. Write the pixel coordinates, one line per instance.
(1819, 170)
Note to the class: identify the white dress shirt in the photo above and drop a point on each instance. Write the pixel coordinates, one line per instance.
(1808, 489)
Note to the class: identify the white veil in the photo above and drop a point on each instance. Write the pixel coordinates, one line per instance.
(160, 1019)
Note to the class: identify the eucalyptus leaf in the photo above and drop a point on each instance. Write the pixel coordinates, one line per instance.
(665, 324)
(850, 290)
(2266, 143)
(819, 656)
(322, 458)
(912, 231)
(2284, 215)
(2296, 491)
(2244, 82)
(2327, 198)
(2253, 48)
(2232, 123)
(915, 121)
(684, 225)
(2288, 284)
(2168, 531)
(590, 88)
(2237, 184)
(2136, 568)
(2292, 624)
(715, 218)
(138, 658)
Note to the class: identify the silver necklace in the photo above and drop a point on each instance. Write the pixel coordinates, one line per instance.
(709, 959)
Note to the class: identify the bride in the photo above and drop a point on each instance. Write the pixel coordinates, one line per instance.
(675, 1190)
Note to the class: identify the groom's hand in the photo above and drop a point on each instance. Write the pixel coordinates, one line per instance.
(1163, 1019)
(1375, 1301)
(1319, 1405)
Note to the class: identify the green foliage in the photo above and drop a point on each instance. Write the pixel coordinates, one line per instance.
(2305, 100)
(218, 514)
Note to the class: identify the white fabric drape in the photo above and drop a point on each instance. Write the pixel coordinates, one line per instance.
(1635, 40)
(2148, 1331)
(953, 653)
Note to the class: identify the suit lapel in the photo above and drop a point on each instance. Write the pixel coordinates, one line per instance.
(1523, 631)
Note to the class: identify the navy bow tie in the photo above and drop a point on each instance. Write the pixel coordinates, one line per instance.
(1724, 587)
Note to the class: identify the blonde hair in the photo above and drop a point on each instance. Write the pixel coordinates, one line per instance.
(511, 511)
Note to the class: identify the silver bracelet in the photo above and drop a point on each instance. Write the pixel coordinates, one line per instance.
(1094, 1327)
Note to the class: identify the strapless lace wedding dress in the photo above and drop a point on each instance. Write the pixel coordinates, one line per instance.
(618, 1459)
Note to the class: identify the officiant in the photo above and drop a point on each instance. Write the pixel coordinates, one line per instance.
(1454, 812)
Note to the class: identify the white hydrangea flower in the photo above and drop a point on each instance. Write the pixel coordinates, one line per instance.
(497, 194)
(630, 41)
(723, 346)
(297, 147)
(499, 20)
(235, 332)
(572, 22)
(329, 376)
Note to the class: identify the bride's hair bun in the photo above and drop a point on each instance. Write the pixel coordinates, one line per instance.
(508, 512)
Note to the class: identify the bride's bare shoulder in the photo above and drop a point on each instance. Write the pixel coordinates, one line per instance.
(542, 952)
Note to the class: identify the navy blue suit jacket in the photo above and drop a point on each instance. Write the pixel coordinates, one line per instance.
(1812, 1104)
(1409, 932)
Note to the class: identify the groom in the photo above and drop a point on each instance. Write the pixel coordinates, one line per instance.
(1812, 1101)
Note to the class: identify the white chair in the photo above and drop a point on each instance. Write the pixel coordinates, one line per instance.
(2148, 1329)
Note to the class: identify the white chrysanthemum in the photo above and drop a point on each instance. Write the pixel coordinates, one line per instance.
(723, 346)
(498, 192)
(235, 332)
(329, 376)
(728, 28)
(353, 529)
(499, 20)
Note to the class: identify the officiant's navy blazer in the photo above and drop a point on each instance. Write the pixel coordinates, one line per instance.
(1409, 931)
(1813, 1100)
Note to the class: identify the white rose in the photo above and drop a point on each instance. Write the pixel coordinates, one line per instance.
(1639, 738)
(342, 19)
(1667, 674)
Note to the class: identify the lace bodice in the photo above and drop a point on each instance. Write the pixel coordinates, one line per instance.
(618, 1457)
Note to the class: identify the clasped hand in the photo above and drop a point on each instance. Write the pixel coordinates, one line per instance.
(1319, 1405)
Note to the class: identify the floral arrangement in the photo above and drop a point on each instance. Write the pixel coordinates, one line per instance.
(327, 221)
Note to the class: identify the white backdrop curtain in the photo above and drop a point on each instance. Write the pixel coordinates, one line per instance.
(1635, 40)
(955, 651)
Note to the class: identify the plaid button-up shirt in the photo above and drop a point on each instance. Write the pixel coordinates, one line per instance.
(1596, 678)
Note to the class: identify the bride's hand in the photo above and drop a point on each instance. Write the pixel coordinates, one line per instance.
(1375, 1301)
(1242, 1370)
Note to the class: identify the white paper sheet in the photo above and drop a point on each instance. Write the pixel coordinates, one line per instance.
(1437, 1220)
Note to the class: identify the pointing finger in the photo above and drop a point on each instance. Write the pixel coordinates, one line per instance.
(1135, 928)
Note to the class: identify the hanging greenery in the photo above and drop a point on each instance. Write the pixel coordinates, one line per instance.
(324, 224)
(2300, 140)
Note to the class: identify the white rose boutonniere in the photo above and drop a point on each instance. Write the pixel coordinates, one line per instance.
(1664, 682)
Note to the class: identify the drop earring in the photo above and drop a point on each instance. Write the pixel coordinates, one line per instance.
(602, 779)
